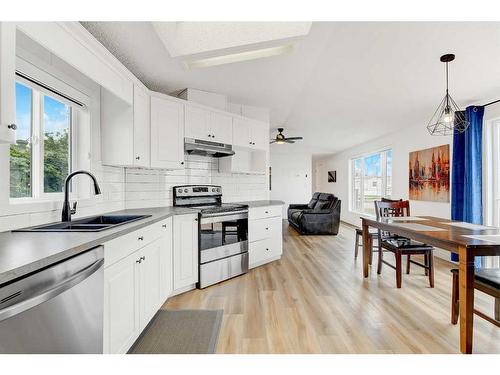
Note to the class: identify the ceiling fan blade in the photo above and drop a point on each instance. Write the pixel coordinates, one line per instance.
(289, 141)
(273, 141)
(294, 138)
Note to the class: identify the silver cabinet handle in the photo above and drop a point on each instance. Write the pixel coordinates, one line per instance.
(141, 238)
(138, 260)
(143, 258)
(137, 158)
(12, 126)
(164, 225)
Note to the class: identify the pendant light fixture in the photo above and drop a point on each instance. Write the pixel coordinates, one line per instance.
(448, 118)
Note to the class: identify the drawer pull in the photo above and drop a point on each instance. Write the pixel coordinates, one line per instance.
(267, 212)
(138, 260)
(267, 249)
(164, 225)
(141, 238)
(143, 258)
(267, 228)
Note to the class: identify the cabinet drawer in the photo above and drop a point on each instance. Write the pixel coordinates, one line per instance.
(260, 251)
(263, 212)
(264, 228)
(122, 246)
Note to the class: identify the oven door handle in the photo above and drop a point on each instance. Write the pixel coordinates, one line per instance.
(221, 217)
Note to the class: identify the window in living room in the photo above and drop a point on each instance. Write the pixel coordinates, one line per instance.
(371, 179)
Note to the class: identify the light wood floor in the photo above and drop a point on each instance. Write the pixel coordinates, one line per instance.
(314, 300)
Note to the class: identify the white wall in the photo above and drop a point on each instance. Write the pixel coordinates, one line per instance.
(402, 143)
(291, 177)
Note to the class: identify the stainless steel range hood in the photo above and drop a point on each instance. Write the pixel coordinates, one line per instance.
(207, 148)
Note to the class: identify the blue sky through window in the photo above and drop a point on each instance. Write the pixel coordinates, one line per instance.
(55, 116)
(23, 111)
(372, 166)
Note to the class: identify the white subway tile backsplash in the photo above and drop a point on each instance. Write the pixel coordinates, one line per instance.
(139, 188)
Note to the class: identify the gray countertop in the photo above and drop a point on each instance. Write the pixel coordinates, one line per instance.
(24, 252)
(263, 203)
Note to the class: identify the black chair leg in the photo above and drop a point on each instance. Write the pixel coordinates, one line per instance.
(454, 299)
(356, 246)
(426, 263)
(408, 258)
(380, 255)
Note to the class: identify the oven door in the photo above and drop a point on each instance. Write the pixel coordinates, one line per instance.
(223, 235)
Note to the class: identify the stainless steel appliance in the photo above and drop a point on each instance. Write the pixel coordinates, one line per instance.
(223, 233)
(58, 309)
(210, 148)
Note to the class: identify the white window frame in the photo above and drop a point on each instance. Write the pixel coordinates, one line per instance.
(361, 157)
(37, 139)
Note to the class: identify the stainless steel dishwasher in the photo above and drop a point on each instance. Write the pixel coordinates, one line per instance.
(55, 310)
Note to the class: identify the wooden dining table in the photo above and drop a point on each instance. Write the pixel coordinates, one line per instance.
(449, 235)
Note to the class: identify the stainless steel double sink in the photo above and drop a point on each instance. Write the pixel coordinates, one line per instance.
(89, 224)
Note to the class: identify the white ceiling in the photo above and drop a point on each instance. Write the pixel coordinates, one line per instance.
(343, 84)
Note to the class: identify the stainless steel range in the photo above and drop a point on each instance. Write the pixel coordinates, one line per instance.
(223, 232)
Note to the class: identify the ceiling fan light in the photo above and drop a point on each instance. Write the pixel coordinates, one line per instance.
(280, 141)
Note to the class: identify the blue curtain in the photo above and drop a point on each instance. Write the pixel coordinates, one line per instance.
(467, 172)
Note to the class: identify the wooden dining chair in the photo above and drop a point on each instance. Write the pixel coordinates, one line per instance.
(487, 281)
(400, 245)
(359, 243)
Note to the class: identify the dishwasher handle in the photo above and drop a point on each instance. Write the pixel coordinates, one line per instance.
(51, 292)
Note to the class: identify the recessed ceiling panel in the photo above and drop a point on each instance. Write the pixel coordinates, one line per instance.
(190, 38)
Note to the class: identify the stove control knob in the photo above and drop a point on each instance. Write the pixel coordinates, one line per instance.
(218, 190)
(185, 190)
(179, 190)
(213, 189)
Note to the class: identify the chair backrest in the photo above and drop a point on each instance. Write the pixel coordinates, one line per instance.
(391, 209)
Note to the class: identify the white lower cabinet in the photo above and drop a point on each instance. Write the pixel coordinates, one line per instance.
(136, 285)
(265, 235)
(121, 305)
(185, 251)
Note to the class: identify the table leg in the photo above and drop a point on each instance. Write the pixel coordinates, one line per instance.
(466, 295)
(366, 247)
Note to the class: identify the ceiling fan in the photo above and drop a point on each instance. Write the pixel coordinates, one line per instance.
(281, 139)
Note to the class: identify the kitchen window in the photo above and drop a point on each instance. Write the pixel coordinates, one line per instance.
(40, 159)
(371, 179)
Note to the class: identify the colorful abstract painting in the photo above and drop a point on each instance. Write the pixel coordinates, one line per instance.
(430, 174)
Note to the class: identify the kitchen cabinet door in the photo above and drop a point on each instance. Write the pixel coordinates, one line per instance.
(7, 82)
(259, 135)
(198, 123)
(166, 260)
(221, 128)
(121, 305)
(185, 251)
(167, 134)
(241, 132)
(150, 281)
(141, 128)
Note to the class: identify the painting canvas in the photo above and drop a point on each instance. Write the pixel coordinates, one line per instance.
(430, 174)
(332, 176)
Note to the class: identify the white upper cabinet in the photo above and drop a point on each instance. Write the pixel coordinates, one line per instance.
(141, 127)
(197, 123)
(167, 133)
(221, 128)
(250, 133)
(125, 129)
(208, 125)
(7, 82)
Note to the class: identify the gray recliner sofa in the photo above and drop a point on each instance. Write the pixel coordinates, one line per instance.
(320, 216)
